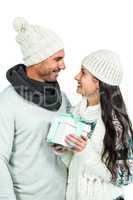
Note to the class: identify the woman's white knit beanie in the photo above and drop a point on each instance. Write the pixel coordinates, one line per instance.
(36, 42)
(104, 65)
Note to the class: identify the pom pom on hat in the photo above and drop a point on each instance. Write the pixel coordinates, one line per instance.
(37, 43)
(20, 24)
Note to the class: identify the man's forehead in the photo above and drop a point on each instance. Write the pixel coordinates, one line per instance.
(60, 53)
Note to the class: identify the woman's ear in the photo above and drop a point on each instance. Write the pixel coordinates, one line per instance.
(96, 81)
(97, 84)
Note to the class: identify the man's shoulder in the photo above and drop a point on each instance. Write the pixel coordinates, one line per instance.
(7, 94)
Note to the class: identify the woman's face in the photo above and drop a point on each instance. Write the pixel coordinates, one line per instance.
(88, 85)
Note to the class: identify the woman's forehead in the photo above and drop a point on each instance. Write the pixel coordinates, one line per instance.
(86, 70)
(83, 68)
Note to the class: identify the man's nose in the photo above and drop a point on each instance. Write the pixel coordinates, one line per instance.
(77, 77)
(62, 65)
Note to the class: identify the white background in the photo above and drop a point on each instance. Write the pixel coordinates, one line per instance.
(84, 26)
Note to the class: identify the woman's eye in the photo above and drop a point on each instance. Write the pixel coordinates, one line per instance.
(83, 72)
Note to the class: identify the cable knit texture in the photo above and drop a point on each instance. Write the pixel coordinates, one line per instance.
(105, 65)
(89, 178)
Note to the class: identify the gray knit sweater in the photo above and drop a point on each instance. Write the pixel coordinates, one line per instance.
(29, 170)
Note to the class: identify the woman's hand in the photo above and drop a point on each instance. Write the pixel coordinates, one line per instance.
(77, 144)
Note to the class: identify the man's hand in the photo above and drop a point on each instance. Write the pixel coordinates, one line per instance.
(77, 144)
(58, 149)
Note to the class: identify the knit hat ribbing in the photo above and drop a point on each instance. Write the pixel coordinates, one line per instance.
(104, 65)
(36, 42)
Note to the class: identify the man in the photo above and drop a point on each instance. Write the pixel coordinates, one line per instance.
(29, 170)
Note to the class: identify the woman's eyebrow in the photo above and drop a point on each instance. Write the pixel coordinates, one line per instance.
(83, 69)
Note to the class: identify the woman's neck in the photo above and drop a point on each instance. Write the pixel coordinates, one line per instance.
(93, 100)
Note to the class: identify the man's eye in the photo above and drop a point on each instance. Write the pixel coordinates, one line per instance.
(58, 59)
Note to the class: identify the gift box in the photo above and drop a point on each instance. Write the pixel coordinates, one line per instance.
(68, 123)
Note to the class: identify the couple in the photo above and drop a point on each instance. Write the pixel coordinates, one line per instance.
(30, 170)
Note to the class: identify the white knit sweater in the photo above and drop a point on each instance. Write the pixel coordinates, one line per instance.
(89, 178)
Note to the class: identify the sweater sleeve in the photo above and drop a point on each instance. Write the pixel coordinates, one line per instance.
(6, 141)
(64, 154)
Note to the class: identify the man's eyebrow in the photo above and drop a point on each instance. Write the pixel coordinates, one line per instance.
(59, 57)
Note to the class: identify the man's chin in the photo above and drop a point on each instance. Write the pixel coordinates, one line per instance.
(53, 79)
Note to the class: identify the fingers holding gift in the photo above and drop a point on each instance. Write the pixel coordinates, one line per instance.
(76, 143)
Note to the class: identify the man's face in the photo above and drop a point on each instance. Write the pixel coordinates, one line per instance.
(49, 69)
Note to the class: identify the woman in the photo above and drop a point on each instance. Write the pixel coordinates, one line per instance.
(105, 165)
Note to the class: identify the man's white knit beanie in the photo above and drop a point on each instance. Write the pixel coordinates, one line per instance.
(104, 65)
(36, 42)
